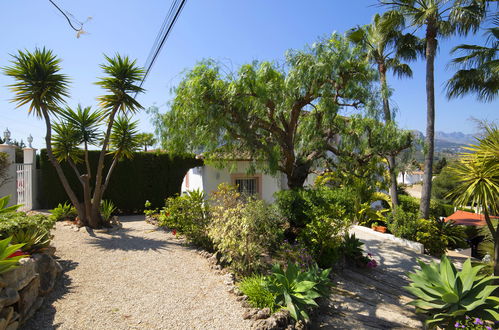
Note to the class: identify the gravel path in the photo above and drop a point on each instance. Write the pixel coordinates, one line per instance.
(134, 278)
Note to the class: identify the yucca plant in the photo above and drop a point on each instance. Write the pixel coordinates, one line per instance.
(32, 239)
(6, 251)
(64, 212)
(107, 208)
(446, 295)
(4, 201)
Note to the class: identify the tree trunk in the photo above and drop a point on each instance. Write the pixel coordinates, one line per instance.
(57, 166)
(431, 43)
(95, 216)
(388, 118)
(298, 176)
(393, 181)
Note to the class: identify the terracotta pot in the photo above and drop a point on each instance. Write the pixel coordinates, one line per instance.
(381, 229)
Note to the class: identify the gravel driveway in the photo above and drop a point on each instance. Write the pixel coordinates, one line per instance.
(134, 278)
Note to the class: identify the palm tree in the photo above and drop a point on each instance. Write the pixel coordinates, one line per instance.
(39, 84)
(478, 173)
(146, 140)
(385, 46)
(479, 71)
(439, 19)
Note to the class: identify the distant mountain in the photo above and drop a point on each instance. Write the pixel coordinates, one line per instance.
(447, 142)
(455, 137)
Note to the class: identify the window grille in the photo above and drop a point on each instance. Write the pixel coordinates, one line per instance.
(247, 186)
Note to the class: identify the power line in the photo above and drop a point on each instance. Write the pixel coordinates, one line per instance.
(166, 27)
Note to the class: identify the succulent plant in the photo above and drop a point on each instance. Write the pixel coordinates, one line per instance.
(446, 295)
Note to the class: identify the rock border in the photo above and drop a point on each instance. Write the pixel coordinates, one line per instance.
(23, 289)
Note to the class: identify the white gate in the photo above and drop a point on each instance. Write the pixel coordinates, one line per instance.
(24, 186)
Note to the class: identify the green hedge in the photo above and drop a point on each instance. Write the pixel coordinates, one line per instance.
(437, 209)
(148, 176)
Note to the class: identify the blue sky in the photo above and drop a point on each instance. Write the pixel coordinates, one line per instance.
(235, 32)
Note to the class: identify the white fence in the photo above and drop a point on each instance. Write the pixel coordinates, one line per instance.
(24, 186)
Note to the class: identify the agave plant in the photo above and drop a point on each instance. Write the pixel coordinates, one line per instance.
(32, 239)
(6, 262)
(4, 201)
(294, 290)
(447, 295)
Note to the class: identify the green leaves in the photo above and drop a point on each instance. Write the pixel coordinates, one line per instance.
(38, 82)
(4, 201)
(121, 83)
(260, 108)
(6, 250)
(297, 290)
(124, 138)
(445, 294)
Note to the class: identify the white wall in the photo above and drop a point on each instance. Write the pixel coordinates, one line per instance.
(410, 178)
(207, 178)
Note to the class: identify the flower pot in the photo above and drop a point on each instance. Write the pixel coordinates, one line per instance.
(381, 229)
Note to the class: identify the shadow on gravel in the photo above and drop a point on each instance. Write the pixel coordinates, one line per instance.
(121, 240)
(44, 317)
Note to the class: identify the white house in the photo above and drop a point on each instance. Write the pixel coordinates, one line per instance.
(410, 178)
(207, 178)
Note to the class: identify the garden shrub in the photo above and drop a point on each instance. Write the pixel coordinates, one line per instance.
(437, 209)
(242, 230)
(12, 222)
(428, 235)
(295, 204)
(402, 223)
(322, 235)
(296, 253)
(435, 235)
(255, 287)
(64, 212)
(32, 231)
(188, 214)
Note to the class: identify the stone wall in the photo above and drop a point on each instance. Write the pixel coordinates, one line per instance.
(22, 290)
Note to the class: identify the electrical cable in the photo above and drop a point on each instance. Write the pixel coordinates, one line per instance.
(164, 32)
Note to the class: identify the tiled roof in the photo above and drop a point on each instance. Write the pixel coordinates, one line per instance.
(468, 218)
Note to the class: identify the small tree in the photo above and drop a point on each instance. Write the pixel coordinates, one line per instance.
(146, 140)
(39, 84)
(478, 175)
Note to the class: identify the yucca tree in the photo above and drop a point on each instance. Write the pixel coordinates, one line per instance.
(86, 122)
(479, 68)
(124, 141)
(439, 19)
(386, 47)
(122, 81)
(39, 84)
(478, 173)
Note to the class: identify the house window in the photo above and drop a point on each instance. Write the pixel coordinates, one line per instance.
(247, 186)
(250, 185)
